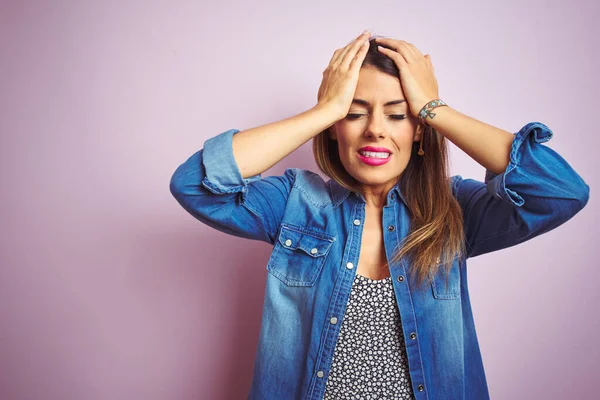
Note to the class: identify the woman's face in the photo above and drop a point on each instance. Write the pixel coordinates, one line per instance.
(375, 124)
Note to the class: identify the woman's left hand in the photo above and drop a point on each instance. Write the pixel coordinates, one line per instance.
(416, 72)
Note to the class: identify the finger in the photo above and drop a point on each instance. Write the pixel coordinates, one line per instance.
(397, 57)
(353, 56)
(387, 41)
(348, 48)
(410, 53)
(339, 53)
(408, 50)
(414, 50)
(334, 57)
(353, 47)
(358, 59)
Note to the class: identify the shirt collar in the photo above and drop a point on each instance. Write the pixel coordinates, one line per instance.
(339, 193)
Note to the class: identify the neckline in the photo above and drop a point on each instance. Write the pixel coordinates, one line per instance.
(374, 280)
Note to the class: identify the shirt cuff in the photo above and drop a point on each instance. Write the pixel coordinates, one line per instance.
(524, 146)
(222, 174)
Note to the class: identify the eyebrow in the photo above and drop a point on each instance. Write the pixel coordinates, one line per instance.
(389, 103)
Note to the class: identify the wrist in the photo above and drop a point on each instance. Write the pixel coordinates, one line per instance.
(429, 110)
(330, 111)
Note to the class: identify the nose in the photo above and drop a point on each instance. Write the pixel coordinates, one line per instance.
(375, 125)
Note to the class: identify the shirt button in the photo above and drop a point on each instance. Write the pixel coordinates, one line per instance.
(320, 374)
(413, 335)
(313, 251)
(357, 222)
(392, 196)
(400, 278)
(349, 265)
(421, 388)
(288, 242)
(391, 228)
(333, 320)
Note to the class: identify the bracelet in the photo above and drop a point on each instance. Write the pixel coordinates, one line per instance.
(426, 110)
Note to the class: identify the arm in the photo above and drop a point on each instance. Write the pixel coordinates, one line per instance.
(536, 191)
(486, 144)
(258, 149)
(528, 188)
(210, 184)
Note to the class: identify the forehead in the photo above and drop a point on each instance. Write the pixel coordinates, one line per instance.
(377, 87)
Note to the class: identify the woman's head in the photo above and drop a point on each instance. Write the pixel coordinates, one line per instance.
(371, 123)
(436, 225)
(378, 117)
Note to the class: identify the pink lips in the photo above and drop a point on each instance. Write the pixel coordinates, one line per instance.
(374, 148)
(373, 161)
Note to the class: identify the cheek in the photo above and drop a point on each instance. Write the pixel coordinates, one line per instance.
(404, 139)
(347, 152)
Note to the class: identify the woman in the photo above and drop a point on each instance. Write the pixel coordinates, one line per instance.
(367, 293)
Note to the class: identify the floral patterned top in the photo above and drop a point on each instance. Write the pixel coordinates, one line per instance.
(369, 360)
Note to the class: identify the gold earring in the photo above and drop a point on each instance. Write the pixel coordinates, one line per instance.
(421, 152)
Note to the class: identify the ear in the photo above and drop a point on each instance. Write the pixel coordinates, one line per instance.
(418, 133)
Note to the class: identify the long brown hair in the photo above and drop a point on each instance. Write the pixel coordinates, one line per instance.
(436, 234)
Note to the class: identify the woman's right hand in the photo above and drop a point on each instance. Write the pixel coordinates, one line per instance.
(340, 78)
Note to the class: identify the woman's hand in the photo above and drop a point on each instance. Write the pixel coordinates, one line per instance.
(340, 78)
(416, 72)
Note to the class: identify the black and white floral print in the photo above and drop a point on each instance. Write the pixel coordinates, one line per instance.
(369, 360)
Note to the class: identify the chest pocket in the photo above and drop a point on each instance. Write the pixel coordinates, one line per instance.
(449, 289)
(298, 255)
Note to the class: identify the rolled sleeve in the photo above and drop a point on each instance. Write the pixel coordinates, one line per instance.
(222, 172)
(536, 170)
(210, 187)
(537, 192)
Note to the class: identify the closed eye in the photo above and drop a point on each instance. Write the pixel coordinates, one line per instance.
(356, 116)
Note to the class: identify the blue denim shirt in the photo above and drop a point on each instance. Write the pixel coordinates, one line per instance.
(315, 227)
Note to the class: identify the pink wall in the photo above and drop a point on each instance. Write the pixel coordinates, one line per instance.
(110, 290)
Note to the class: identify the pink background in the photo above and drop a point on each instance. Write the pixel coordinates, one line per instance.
(110, 290)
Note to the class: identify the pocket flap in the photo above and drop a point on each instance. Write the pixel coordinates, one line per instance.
(446, 287)
(312, 243)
